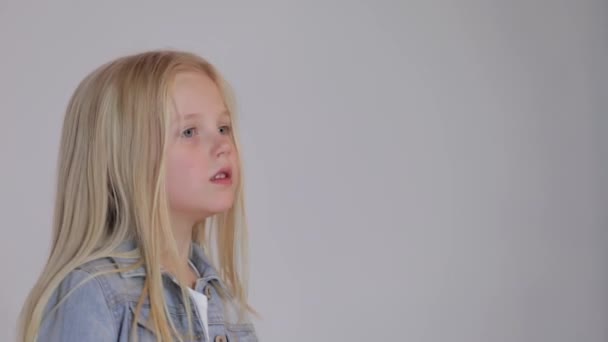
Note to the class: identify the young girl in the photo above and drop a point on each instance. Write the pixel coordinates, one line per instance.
(149, 236)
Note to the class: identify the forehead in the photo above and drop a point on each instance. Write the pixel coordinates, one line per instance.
(196, 93)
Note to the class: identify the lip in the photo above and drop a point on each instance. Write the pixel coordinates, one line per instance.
(228, 180)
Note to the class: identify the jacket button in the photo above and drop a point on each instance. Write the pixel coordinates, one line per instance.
(208, 292)
(220, 338)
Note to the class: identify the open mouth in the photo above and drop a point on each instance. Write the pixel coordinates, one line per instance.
(222, 176)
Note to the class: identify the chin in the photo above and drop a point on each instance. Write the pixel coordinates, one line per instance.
(219, 207)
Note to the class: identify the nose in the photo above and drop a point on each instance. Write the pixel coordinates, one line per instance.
(223, 146)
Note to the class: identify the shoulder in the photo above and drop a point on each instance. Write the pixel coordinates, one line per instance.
(97, 283)
(80, 307)
(93, 302)
(118, 287)
(89, 283)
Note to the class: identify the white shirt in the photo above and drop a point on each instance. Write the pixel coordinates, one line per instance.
(201, 303)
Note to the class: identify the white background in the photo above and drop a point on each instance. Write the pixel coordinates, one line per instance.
(416, 170)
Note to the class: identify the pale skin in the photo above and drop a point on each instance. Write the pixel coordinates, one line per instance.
(200, 145)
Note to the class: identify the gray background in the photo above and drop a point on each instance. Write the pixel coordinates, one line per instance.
(417, 170)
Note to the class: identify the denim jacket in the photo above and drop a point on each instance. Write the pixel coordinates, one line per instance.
(102, 309)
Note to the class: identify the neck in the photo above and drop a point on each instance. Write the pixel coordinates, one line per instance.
(182, 232)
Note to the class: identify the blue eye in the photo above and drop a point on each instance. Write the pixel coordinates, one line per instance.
(189, 133)
(226, 129)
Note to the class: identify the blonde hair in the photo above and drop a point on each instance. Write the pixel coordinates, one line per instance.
(111, 187)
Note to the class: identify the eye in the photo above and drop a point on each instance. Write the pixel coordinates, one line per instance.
(226, 129)
(189, 133)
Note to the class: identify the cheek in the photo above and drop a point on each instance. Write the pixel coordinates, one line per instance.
(184, 172)
(236, 170)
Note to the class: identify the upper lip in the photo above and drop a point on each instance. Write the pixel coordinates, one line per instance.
(227, 170)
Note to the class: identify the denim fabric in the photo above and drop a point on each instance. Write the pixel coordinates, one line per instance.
(102, 309)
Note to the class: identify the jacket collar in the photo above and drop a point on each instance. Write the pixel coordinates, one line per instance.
(197, 257)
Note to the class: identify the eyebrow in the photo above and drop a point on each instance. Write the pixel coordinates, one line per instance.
(189, 116)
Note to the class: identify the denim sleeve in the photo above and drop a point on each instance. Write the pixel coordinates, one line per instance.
(83, 316)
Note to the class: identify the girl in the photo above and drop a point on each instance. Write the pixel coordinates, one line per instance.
(149, 199)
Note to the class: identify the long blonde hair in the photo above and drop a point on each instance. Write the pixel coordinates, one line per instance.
(110, 184)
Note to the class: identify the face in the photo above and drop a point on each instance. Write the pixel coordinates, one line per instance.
(200, 149)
